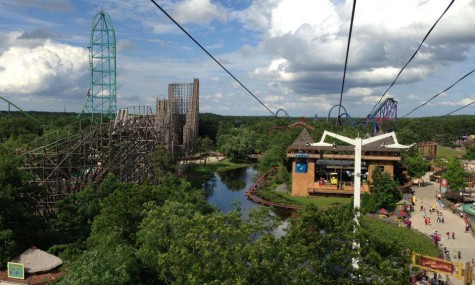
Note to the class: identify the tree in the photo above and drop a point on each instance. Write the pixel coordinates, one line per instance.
(110, 263)
(238, 145)
(407, 136)
(165, 162)
(182, 246)
(440, 162)
(368, 203)
(416, 165)
(320, 248)
(455, 175)
(470, 154)
(76, 213)
(274, 156)
(385, 189)
(19, 226)
(204, 147)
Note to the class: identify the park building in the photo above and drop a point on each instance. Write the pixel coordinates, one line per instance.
(328, 169)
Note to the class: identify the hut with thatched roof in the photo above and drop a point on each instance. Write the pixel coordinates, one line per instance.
(39, 266)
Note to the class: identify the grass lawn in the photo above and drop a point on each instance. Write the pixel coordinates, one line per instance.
(448, 153)
(409, 238)
(202, 173)
(385, 230)
(219, 166)
(320, 202)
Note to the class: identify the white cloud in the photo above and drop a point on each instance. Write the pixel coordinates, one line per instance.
(289, 16)
(277, 70)
(463, 102)
(360, 91)
(413, 97)
(199, 11)
(289, 53)
(307, 41)
(46, 69)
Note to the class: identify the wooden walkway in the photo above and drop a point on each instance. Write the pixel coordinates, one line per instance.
(252, 193)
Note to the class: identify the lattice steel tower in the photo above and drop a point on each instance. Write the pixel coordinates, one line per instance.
(101, 97)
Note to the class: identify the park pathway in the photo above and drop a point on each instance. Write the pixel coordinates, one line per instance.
(465, 242)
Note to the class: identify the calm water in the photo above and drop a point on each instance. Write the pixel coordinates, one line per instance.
(229, 187)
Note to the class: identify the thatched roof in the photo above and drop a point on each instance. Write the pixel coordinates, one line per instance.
(302, 141)
(36, 260)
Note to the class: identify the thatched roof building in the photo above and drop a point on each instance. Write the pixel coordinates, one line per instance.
(40, 268)
(36, 260)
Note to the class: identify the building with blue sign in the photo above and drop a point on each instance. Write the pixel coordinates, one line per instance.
(329, 170)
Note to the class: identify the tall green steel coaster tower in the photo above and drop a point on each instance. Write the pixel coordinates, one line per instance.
(101, 98)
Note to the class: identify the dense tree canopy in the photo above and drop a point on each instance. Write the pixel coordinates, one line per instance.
(455, 175)
(416, 165)
(470, 154)
(384, 192)
(118, 233)
(18, 224)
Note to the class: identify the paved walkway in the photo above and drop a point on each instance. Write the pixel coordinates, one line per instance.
(463, 241)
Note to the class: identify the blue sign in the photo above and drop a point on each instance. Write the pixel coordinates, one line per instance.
(301, 167)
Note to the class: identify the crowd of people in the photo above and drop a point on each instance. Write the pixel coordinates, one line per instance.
(445, 225)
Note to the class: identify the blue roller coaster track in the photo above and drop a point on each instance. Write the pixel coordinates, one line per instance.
(385, 111)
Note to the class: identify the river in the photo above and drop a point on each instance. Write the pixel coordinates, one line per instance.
(229, 187)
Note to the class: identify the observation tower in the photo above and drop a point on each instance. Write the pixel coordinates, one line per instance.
(101, 98)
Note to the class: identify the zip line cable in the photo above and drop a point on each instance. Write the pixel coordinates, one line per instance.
(433, 97)
(212, 57)
(346, 60)
(460, 108)
(417, 50)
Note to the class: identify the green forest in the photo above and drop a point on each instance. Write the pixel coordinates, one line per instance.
(165, 232)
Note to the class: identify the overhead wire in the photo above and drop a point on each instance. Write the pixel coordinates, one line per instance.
(412, 57)
(346, 60)
(213, 58)
(460, 108)
(441, 92)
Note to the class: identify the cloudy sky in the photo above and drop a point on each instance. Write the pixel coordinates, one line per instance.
(289, 53)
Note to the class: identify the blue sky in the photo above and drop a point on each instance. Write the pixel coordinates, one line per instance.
(289, 53)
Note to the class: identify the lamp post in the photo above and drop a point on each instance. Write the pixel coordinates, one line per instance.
(358, 143)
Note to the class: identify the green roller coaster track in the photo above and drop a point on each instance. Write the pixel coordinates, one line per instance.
(18, 108)
(101, 97)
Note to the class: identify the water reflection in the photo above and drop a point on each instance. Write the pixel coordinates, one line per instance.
(229, 187)
(235, 180)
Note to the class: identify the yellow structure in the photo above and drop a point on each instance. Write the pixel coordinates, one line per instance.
(329, 170)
